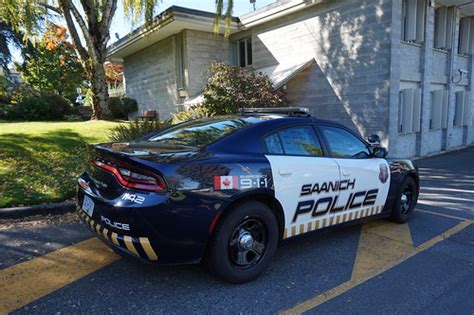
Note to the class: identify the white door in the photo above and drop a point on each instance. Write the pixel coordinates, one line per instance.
(369, 177)
(305, 182)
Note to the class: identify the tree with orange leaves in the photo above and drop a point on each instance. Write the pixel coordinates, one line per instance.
(53, 67)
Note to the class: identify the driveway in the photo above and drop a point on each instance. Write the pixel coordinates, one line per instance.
(424, 266)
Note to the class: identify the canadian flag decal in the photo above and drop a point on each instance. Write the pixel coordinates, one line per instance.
(226, 182)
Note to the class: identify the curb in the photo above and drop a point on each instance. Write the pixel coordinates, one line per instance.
(435, 154)
(43, 209)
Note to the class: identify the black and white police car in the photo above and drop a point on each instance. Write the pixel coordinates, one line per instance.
(226, 189)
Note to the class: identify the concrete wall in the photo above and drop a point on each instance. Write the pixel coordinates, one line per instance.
(350, 41)
(430, 69)
(202, 49)
(151, 78)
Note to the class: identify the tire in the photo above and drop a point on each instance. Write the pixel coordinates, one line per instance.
(243, 243)
(405, 201)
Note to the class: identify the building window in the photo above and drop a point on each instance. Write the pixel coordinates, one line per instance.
(461, 110)
(413, 20)
(439, 109)
(443, 26)
(466, 35)
(409, 111)
(244, 47)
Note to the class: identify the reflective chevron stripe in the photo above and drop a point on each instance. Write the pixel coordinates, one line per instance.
(131, 244)
(298, 229)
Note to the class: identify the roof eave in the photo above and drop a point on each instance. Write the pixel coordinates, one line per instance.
(275, 10)
(181, 18)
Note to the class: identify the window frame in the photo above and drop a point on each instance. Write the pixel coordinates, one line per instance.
(276, 130)
(327, 145)
(245, 40)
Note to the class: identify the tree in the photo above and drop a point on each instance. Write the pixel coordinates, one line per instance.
(230, 88)
(8, 38)
(88, 22)
(52, 67)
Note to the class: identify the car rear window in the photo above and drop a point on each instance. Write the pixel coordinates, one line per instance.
(202, 132)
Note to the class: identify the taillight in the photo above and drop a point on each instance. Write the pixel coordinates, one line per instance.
(133, 178)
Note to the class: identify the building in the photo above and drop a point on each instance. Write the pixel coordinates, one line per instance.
(398, 68)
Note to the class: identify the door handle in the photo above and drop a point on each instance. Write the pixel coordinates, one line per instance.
(284, 172)
(346, 173)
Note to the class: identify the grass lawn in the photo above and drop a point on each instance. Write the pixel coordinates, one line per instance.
(39, 161)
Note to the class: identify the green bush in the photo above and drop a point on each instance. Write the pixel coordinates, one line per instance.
(50, 107)
(130, 105)
(32, 108)
(121, 107)
(115, 106)
(193, 112)
(136, 129)
(230, 88)
(59, 107)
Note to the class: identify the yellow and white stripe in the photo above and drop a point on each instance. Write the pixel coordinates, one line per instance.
(113, 237)
(297, 229)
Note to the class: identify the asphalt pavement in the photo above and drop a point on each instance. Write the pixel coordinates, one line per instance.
(425, 266)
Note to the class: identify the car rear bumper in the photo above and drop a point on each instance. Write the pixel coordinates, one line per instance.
(163, 230)
(138, 247)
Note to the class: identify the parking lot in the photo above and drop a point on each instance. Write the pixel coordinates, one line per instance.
(424, 266)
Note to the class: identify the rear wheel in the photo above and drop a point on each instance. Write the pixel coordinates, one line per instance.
(243, 243)
(406, 201)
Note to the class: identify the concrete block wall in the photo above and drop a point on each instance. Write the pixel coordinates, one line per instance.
(350, 42)
(430, 69)
(151, 77)
(202, 49)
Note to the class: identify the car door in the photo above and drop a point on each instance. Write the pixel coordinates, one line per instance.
(365, 180)
(302, 173)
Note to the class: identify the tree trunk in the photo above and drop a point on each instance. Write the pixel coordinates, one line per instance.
(100, 93)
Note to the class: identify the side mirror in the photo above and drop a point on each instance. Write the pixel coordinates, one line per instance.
(379, 152)
(374, 139)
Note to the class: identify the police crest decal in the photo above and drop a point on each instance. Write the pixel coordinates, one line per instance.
(383, 174)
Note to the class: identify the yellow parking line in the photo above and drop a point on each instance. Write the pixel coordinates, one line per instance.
(30, 280)
(346, 286)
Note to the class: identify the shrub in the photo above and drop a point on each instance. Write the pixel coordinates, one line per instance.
(230, 88)
(194, 112)
(115, 105)
(121, 107)
(59, 107)
(136, 129)
(130, 105)
(32, 108)
(50, 107)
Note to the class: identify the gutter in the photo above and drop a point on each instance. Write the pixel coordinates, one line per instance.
(276, 10)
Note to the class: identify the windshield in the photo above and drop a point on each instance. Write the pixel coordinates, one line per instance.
(202, 132)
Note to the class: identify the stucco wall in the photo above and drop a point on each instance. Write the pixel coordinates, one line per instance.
(151, 78)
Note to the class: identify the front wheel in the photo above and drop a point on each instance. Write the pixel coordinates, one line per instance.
(243, 243)
(406, 201)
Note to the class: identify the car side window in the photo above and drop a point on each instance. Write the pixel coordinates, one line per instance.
(300, 140)
(344, 144)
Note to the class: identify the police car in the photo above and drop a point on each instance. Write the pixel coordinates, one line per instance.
(226, 189)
